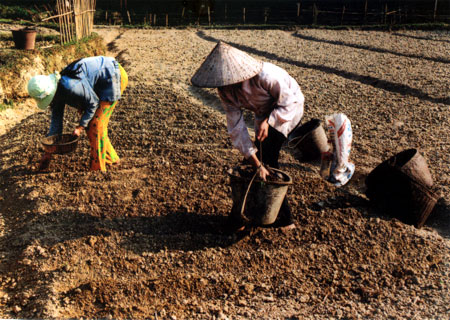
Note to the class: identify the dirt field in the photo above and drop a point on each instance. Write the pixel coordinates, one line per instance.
(145, 240)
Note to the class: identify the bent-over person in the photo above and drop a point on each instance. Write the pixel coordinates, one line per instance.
(270, 93)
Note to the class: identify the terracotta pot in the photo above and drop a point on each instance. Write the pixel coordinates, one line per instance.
(24, 38)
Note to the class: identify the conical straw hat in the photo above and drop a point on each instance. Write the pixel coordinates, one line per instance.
(225, 65)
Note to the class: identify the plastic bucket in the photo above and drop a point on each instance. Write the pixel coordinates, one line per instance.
(24, 38)
(264, 198)
(310, 139)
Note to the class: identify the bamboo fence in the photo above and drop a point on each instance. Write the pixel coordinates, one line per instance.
(75, 17)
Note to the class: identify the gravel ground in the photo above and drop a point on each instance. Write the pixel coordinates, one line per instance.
(145, 240)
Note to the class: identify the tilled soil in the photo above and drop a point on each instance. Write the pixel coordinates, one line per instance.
(145, 239)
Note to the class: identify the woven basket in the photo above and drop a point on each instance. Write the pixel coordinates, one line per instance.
(60, 143)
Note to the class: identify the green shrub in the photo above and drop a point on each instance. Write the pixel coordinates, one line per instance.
(6, 104)
(16, 13)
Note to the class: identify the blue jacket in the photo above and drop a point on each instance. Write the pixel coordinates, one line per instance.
(98, 80)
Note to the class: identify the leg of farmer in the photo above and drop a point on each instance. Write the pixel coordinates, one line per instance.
(98, 137)
(271, 147)
(111, 155)
(95, 134)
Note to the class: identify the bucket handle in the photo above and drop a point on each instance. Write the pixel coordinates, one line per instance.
(297, 140)
(243, 216)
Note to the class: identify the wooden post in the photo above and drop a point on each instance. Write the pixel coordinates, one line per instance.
(365, 12)
(182, 12)
(129, 18)
(150, 19)
(154, 19)
(385, 13)
(243, 14)
(435, 10)
(298, 9)
(167, 20)
(209, 16)
(315, 13)
(342, 17)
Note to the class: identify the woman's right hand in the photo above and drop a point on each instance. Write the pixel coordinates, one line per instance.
(263, 172)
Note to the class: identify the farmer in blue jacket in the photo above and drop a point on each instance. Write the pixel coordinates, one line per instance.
(92, 85)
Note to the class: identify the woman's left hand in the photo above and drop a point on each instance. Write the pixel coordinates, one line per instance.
(78, 130)
(263, 130)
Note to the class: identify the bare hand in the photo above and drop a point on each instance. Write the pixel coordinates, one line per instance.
(78, 130)
(263, 130)
(263, 173)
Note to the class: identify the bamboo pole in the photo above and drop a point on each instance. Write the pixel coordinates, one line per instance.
(78, 20)
(61, 10)
(129, 18)
(93, 13)
(66, 22)
(89, 16)
(61, 33)
(182, 12)
(81, 18)
(57, 16)
(167, 20)
(70, 18)
(298, 9)
(84, 7)
(154, 19)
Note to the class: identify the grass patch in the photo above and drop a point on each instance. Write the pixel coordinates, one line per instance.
(7, 104)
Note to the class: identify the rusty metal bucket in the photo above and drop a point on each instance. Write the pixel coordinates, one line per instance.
(310, 140)
(259, 201)
(24, 38)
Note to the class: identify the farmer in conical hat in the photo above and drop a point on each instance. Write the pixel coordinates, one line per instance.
(93, 86)
(270, 92)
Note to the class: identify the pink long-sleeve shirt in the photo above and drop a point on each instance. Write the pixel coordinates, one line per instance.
(271, 94)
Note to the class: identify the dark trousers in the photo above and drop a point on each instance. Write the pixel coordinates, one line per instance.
(270, 149)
